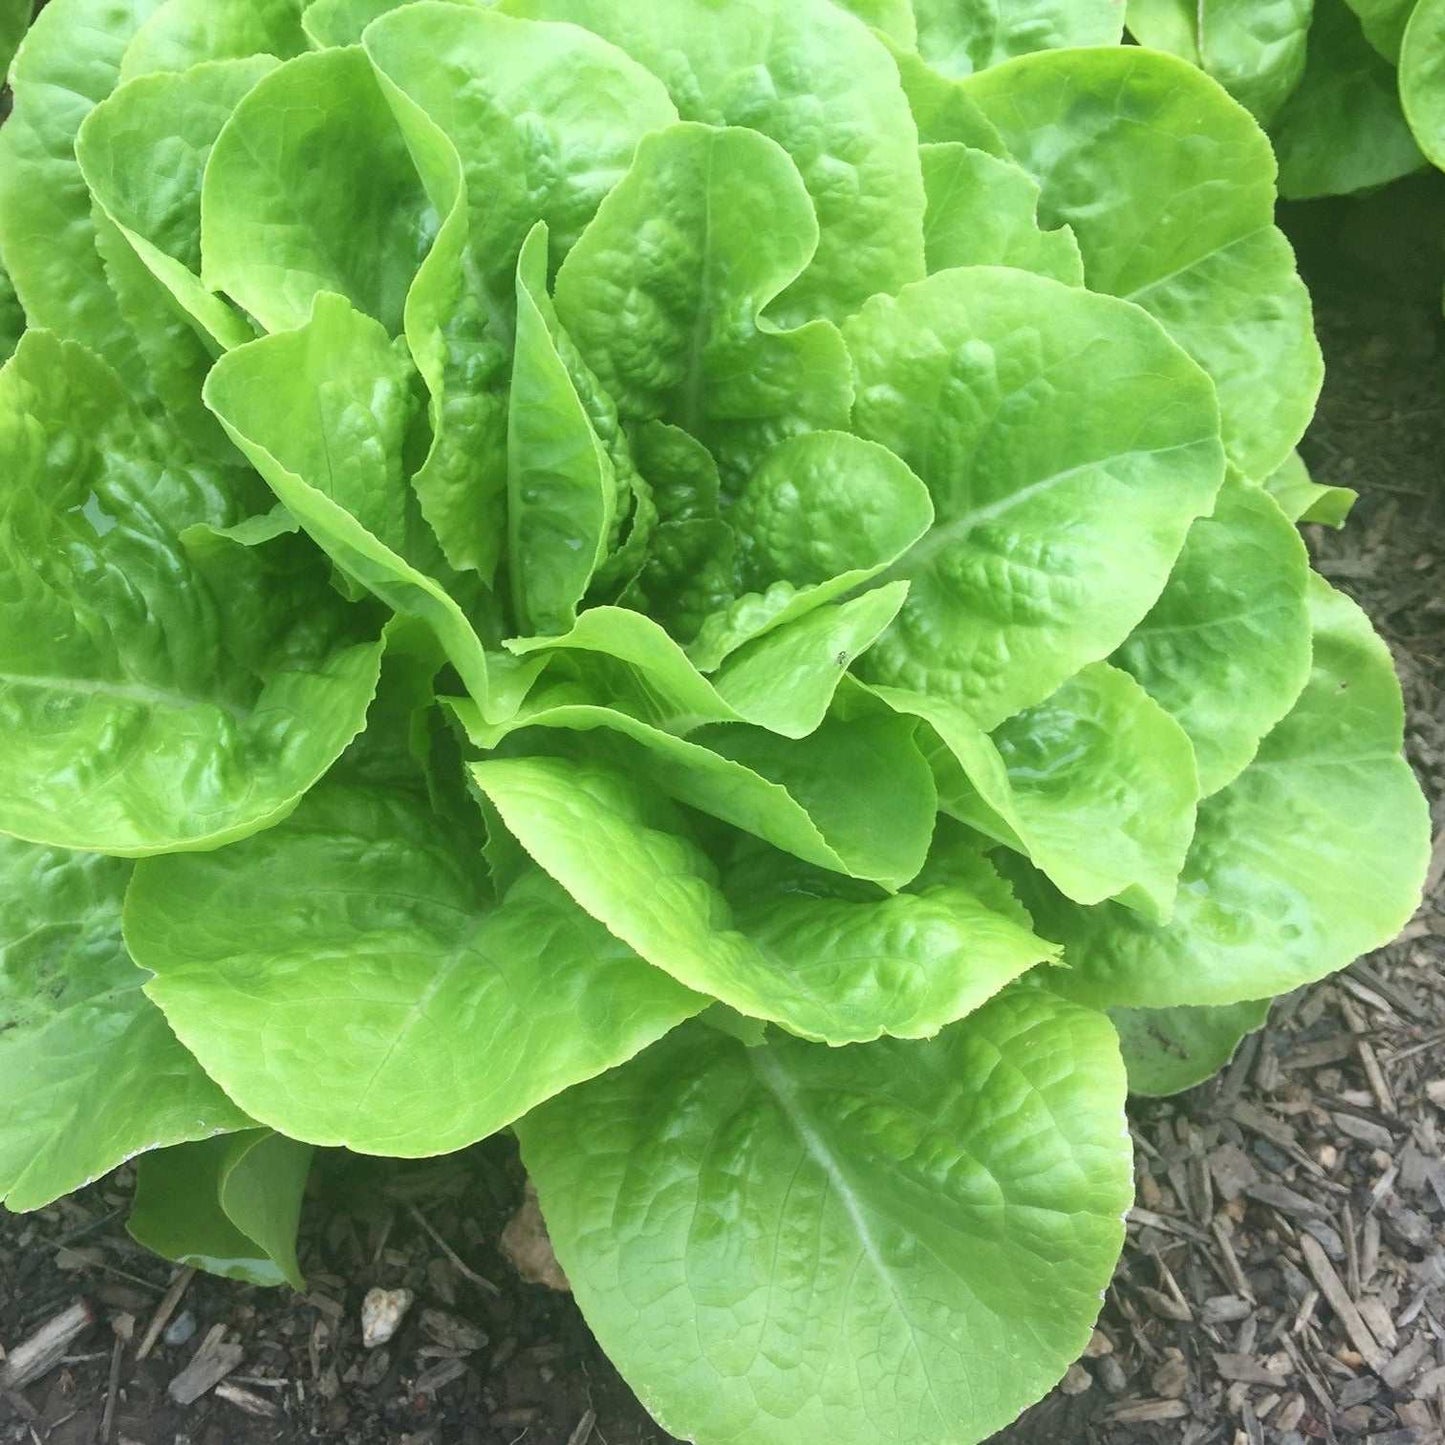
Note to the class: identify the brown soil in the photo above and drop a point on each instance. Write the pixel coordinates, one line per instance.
(1322, 1141)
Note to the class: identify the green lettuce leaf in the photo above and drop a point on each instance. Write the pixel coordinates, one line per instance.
(1226, 649)
(90, 1071)
(181, 33)
(1304, 500)
(1065, 471)
(1342, 130)
(842, 970)
(1168, 1050)
(355, 985)
(1384, 23)
(1422, 78)
(1169, 187)
(229, 1206)
(163, 685)
(983, 211)
(958, 37)
(1254, 48)
(902, 1242)
(15, 17)
(814, 79)
(1314, 855)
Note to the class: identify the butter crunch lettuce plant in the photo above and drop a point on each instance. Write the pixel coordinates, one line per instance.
(712, 584)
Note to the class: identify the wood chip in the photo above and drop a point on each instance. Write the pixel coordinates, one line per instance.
(1250, 1370)
(583, 1433)
(164, 1310)
(1144, 1411)
(246, 1400)
(36, 1356)
(1403, 1368)
(212, 1362)
(1339, 1300)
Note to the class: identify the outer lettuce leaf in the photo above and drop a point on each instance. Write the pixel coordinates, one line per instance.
(983, 211)
(1384, 23)
(1226, 649)
(355, 985)
(1422, 78)
(853, 797)
(182, 33)
(675, 249)
(161, 686)
(15, 16)
(1168, 186)
(12, 317)
(1254, 48)
(942, 108)
(894, 18)
(958, 37)
(311, 154)
(143, 153)
(1342, 130)
(1067, 443)
(229, 1206)
(70, 62)
(903, 1242)
(1313, 856)
(841, 970)
(337, 465)
(1304, 500)
(812, 78)
(90, 1072)
(1172, 1049)
(1096, 786)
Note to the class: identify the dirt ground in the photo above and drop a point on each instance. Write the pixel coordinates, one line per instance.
(1285, 1278)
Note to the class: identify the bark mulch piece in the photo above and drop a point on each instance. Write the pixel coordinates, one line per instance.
(1284, 1281)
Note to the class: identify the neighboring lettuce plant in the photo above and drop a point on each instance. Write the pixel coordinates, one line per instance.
(712, 584)
(1352, 91)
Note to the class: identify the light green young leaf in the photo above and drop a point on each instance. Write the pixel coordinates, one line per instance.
(1068, 445)
(1384, 23)
(1226, 649)
(902, 1242)
(162, 687)
(228, 1206)
(785, 680)
(1254, 48)
(815, 80)
(983, 211)
(90, 1072)
(1096, 785)
(1311, 857)
(143, 152)
(1304, 500)
(343, 22)
(823, 514)
(314, 154)
(1168, 1050)
(321, 413)
(1422, 78)
(70, 62)
(894, 18)
(839, 969)
(675, 249)
(942, 108)
(1342, 130)
(183, 33)
(1169, 188)
(958, 37)
(349, 977)
(561, 488)
(853, 797)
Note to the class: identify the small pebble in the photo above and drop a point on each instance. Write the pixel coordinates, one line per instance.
(180, 1329)
(382, 1312)
(1076, 1381)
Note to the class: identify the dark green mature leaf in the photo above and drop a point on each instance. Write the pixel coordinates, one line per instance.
(354, 984)
(1422, 78)
(1342, 130)
(812, 78)
(90, 1072)
(229, 1206)
(1067, 443)
(1169, 187)
(907, 1241)
(1311, 857)
(1168, 1050)
(15, 16)
(162, 686)
(841, 970)
(1384, 23)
